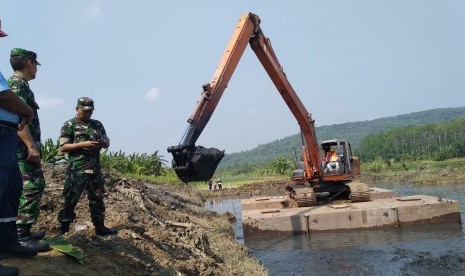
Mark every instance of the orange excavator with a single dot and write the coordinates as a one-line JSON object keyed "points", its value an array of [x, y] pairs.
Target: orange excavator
{"points": [[327, 166]]}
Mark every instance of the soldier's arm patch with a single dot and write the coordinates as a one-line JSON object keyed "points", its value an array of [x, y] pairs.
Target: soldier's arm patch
{"points": [[65, 140], [67, 133]]}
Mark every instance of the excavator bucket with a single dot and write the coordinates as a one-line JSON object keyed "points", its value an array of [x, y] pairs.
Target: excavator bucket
{"points": [[195, 163]]}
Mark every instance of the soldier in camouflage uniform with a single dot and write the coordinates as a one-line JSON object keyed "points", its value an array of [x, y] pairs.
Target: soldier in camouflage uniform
{"points": [[24, 64], [82, 138], [14, 115]]}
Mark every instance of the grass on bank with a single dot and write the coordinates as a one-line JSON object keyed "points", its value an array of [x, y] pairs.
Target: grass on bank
{"points": [[417, 172], [380, 166], [152, 167], [228, 182]]}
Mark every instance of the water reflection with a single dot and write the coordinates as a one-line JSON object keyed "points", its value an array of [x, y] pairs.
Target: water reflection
{"points": [[339, 240], [233, 206], [378, 252]]}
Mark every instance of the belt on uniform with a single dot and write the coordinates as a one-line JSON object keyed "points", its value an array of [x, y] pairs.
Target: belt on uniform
{"points": [[8, 124]]}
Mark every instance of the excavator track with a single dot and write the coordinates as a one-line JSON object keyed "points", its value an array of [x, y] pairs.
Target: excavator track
{"points": [[359, 192], [300, 196], [359, 196]]}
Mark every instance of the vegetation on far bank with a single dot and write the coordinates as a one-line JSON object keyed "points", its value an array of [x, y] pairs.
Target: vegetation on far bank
{"points": [[354, 132], [153, 167], [436, 142], [415, 172]]}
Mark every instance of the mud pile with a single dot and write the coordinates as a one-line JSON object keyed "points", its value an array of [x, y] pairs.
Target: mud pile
{"points": [[273, 187], [163, 230]]}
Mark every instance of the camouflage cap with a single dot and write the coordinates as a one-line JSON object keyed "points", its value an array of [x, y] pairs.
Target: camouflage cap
{"points": [[18, 52], [2, 34], [85, 103]]}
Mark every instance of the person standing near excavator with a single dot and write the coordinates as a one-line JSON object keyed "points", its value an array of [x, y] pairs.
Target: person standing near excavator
{"points": [[82, 138], [24, 64]]}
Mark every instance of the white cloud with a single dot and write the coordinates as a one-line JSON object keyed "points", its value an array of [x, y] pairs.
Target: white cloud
{"points": [[152, 95], [49, 102], [252, 111], [94, 11]]}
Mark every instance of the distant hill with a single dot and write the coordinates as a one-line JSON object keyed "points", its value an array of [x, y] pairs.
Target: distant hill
{"points": [[353, 132]]}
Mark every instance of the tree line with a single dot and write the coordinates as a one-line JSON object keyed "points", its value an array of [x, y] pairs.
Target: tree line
{"points": [[433, 141], [354, 132]]}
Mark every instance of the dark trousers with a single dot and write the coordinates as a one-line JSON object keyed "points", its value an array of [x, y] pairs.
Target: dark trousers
{"points": [[75, 184], [11, 185]]}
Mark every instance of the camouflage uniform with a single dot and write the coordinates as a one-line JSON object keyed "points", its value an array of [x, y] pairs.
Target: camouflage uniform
{"points": [[84, 170], [33, 177]]}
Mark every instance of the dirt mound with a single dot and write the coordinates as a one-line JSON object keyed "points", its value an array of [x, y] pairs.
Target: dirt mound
{"points": [[273, 187], [163, 230]]}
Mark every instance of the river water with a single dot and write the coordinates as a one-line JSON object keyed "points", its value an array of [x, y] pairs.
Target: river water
{"points": [[423, 250]]}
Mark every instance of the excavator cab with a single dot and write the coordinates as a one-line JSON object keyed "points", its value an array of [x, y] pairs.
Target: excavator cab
{"points": [[337, 159], [337, 163]]}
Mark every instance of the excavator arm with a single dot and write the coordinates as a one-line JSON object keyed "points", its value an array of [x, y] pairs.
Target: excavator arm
{"points": [[212, 91], [196, 163], [261, 45]]}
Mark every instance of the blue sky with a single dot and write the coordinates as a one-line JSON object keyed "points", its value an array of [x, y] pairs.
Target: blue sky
{"points": [[144, 63]]}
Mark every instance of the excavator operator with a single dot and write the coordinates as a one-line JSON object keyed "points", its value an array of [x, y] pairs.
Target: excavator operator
{"points": [[332, 161]]}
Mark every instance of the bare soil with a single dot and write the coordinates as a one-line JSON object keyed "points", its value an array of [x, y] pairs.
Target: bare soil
{"points": [[269, 188], [163, 230]]}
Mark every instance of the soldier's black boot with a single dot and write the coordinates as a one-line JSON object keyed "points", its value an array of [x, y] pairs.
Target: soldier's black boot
{"points": [[24, 233], [64, 228], [29, 239], [16, 250], [102, 230], [36, 245]]}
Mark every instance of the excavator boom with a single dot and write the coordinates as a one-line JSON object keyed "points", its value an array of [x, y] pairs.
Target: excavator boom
{"points": [[213, 90], [261, 45], [195, 163]]}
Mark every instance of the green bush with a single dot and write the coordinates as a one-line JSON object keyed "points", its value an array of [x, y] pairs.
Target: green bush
{"points": [[281, 165], [376, 165], [118, 162], [139, 164], [444, 153], [50, 151], [422, 166]]}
